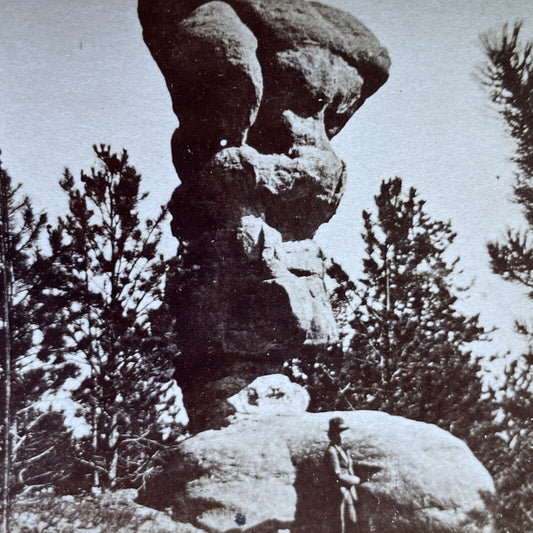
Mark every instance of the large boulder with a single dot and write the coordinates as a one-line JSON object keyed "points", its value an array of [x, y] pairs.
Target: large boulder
{"points": [[265, 474], [334, 59]]}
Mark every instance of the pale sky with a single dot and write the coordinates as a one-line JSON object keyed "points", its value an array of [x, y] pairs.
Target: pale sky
{"points": [[76, 72]]}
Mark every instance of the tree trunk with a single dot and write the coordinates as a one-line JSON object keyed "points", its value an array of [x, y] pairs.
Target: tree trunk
{"points": [[94, 435], [6, 356], [113, 441]]}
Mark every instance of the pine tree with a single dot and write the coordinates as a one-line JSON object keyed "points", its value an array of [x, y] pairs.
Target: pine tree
{"points": [[109, 277], [508, 77], [409, 352], [26, 378]]}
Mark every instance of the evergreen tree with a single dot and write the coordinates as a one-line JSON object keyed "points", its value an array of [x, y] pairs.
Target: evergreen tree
{"points": [[409, 352], [24, 291], [508, 78], [109, 277]]}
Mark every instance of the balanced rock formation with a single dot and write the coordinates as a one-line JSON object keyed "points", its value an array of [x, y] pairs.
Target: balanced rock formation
{"points": [[267, 474], [259, 88]]}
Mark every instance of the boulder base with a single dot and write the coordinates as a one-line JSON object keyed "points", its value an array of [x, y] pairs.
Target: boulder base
{"points": [[266, 474]]}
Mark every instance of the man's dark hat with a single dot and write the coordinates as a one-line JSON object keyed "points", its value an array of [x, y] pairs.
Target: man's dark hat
{"points": [[336, 425]]}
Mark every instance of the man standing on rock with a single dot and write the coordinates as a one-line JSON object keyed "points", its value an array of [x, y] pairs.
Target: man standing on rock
{"points": [[340, 467]]}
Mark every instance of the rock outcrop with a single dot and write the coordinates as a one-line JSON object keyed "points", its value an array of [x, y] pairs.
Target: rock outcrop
{"points": [[259, 88], [266, 474]]}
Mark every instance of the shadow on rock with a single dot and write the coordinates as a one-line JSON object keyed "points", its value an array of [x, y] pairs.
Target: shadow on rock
{"points": [[318, 499]]}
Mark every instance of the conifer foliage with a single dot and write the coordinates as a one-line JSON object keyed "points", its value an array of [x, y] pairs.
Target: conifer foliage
{"points": [[409, 352], [508, 77], [109, 276], [24, 290]]}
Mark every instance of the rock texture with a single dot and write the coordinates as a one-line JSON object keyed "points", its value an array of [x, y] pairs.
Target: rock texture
{"points": [[269, 472], [259, 88], [270, 395]]}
